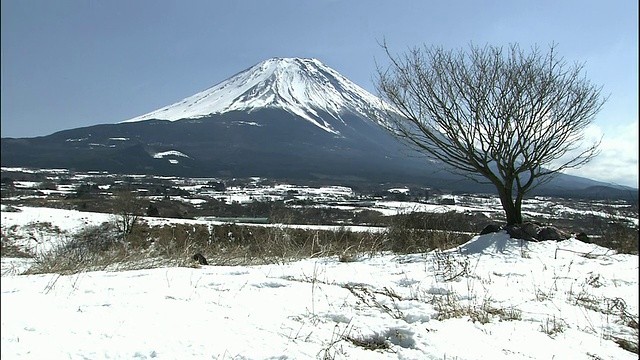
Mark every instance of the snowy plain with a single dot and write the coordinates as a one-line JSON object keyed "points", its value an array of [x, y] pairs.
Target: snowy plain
{"points": [[491, 298]]}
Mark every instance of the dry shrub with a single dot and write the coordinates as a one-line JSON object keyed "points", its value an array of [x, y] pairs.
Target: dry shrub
{"points": [[449, 221], [407, 241], [619, 237], [103, 247]]}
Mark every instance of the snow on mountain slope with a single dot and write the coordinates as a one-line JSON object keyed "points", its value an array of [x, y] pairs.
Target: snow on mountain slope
{"points": [[303, 87]]}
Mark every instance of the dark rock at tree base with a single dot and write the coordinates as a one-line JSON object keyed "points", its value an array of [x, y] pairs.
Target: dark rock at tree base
{"points": [[533, 232], [517, 233], [550, 233], [491, 228], [530, 229], [524, 231]]}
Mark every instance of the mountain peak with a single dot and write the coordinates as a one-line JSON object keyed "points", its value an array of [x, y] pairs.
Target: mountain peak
{"points": [[304, 87]]}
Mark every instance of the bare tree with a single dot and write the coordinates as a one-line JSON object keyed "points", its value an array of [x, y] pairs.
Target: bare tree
{"points": [[501, 116], [127, 210]]}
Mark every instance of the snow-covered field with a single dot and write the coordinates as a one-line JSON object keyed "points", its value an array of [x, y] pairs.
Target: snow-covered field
{"points": [[491, 298]]}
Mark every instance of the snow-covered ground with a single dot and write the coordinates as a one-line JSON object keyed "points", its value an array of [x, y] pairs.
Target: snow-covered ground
{"points": [[491, 298]]}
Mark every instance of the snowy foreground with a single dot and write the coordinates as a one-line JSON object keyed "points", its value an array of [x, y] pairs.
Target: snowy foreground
{"points": [[492, 298]]}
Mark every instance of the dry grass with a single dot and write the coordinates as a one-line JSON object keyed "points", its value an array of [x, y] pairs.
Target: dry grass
{"points": [[104, 248]]}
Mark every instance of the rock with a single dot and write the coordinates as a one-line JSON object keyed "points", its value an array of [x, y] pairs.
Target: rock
{"points": [[517, 233], [491, 228], [200, 259], [550, 233], [530, 229], [524, 231]]}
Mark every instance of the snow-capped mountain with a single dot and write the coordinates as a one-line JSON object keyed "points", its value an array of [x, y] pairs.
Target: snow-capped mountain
{"points": [[303, 87]]}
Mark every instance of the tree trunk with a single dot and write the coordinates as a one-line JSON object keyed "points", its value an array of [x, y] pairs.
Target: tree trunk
{"points": [[518, 206], [511, 209]]}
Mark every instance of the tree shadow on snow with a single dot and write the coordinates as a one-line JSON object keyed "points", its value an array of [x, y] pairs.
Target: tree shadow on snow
{"points": [[499, 242]]}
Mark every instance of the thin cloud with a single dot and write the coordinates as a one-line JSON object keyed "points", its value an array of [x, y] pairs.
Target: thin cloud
{"points": [[618, 160]]}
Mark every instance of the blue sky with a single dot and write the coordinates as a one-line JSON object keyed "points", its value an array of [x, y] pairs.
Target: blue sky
{"points": [[68, 64]]}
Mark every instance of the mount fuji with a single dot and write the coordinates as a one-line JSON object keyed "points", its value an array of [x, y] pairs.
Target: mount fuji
{"points": [[284, 118], [302, 87]]}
